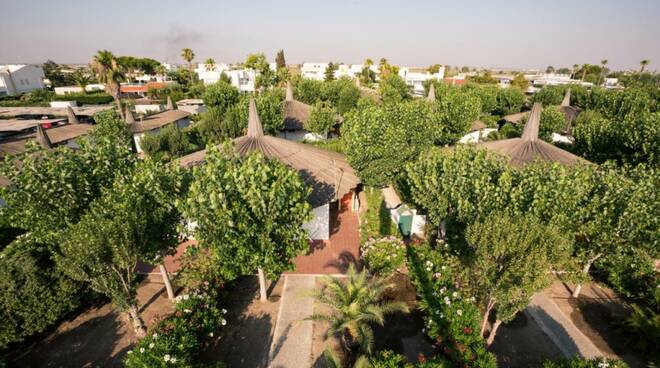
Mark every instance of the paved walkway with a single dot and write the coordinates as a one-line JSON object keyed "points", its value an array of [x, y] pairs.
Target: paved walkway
{"points": [[560, 329], [292, 340]]}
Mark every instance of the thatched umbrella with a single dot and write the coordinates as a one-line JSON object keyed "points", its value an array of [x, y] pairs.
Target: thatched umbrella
{"points": [[71, 115], [42, 138], [170, 104], [129, 116], [431, 96]]}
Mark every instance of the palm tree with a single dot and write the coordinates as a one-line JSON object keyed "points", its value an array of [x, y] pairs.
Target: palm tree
{"points": [[81, 79], [584, 71], [109, 72], [188, 55], [209, 64], [602, 70], [575, 69], [643, 65], [356, 303], [368, 62]]}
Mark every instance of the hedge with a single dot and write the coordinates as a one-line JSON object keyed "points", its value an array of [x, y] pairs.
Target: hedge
{"points": [[86, 98]]}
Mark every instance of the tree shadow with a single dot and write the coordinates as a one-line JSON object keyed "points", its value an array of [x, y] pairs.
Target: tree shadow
{"points": [[402, 334], [92, 343], [245, 340], [555, 331], [384, 219], [343, 261]]}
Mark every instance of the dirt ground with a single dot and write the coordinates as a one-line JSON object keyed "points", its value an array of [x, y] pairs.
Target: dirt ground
{"points": [[595, 313], [246, 340], [97, 337]]}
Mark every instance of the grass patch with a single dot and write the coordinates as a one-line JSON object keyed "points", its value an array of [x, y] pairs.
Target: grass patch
{"points": [[335, 144], [376, 222]]}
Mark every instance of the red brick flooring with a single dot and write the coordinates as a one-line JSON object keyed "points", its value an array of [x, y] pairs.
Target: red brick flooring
{"points": [[334, 255], [326, 256]]}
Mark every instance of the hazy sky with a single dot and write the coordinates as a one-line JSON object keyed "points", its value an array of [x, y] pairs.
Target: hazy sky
{"points": [[492, 33]]}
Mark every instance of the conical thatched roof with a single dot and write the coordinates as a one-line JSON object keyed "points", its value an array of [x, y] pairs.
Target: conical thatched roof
{"points": [[570, 112], [431, 96], [42, 138], [529, 147], [129, 116], [71, 116], [477, 125], [296, 113], [170, 104], [327, 172]]}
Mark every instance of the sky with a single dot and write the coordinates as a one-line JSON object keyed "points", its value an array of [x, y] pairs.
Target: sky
{"points": [[484, 33]]}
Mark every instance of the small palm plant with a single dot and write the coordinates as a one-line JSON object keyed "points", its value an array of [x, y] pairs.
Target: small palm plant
{"points": [[356, 303]]}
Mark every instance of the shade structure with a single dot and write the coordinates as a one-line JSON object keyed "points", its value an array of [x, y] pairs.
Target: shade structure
{"points": [[528, 148], [170, 104], [326, 172], [570, 112], [71, 116], [42, 138], [431, 96], [296, 114], [477, 125], [129, 116]]}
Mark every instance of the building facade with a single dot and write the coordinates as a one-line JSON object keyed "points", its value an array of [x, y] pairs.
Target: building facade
{"points": [[16, 79]]}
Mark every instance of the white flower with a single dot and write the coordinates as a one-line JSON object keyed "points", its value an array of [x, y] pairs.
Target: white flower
{"points": [[423, 330], [151, 346], [155, 335], [454, 294], [223, 322], [459, 312], [603, 364], [173, 360], [429, 263], [210, 334], [442, 315], [167, 357], [447, 301], [141, 350], [443, 267], [437, 275], [177, 299], [428, 269], [442, 290], [224, 311], [130, 351], [187, 310], [186, 297]]}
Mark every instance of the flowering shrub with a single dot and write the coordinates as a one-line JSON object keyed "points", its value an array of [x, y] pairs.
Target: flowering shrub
{"points": [[451, 320], [585, 363], [383, 256], [390, 359], [176, 340]]}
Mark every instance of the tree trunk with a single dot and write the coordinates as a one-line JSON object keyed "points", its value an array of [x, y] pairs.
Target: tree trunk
{"points": [[119, 109], [491, 336], [262, 285], [166, 280], [585, 270], [138, 326], [489, 307]]}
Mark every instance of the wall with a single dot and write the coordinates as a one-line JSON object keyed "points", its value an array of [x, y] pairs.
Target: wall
{"points": [[319, 227], [25, 78], [144, 109]]}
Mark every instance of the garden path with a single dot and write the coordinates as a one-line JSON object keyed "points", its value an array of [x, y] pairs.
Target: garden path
{"points": [[292, 340]]}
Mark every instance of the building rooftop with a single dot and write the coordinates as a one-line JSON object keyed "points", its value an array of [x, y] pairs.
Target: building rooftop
{"points": [[87, 110], [159, 120], [57, 135]]}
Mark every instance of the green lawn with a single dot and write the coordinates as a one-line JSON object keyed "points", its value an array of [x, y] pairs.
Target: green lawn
{"points": [[376, 222]]}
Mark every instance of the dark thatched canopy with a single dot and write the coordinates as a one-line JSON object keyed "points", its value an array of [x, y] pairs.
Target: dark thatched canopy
{"points": [[327, 172], [529, 147]]}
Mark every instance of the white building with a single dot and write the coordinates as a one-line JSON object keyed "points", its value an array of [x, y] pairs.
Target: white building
{"points": [[15, 79], [314, 71], [415, 77], [242, 79], [75, 89], [554, 79], [210, 74]]}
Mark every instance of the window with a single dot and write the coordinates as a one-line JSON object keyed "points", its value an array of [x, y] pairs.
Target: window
{"points": [[27, 82], [22, 83]]}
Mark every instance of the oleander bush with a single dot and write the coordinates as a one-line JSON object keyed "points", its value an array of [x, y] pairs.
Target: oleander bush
{"points": [[385, 256], [176, 340], [390, 359], [451, 320]]}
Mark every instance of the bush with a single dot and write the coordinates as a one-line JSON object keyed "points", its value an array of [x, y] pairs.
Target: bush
{"points": [[220, 96], [96, 98], [321, 118], [171, 142], [390, 359], [393, 88], [377, 222], [451, 320], [33, 294], [176, 340], [552, 121], [585, 363], [383, 257], [642, 331]]}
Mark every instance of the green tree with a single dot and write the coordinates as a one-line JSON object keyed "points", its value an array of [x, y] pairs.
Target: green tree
{"points": [[552, 121], [512, 259], [169, 143], [550, 69], [188, 55], [355, 304], [330, 71], [81, 79], [380, 140], [215, 126], [126, 224], [249, 213], [393, 88], [209, 64], [109, 71], [321, 119], [603, 63], [259, 63], [220, 96], [435, 68], [279, 60], [520, 82]]}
